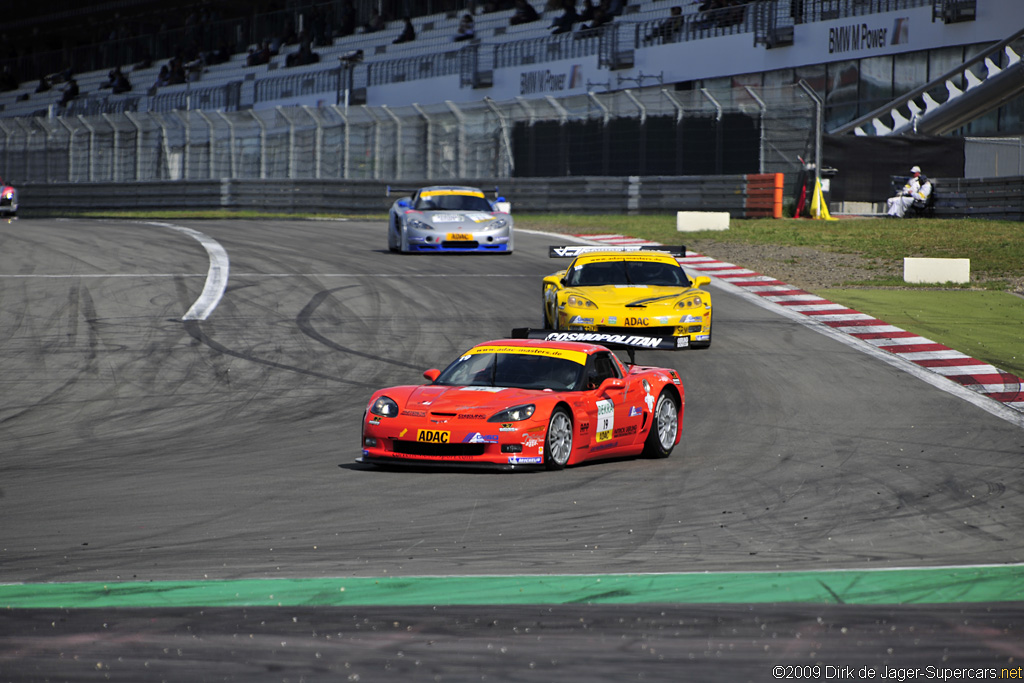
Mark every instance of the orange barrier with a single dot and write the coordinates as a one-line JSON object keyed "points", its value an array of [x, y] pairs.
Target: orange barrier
{"points": [[764, 195]]}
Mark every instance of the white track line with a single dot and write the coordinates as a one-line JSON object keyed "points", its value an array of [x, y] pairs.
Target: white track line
{"points": [[216, 276]]}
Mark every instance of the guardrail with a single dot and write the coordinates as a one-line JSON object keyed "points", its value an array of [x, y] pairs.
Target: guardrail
{"points": [[578, 194], [743, 196]]}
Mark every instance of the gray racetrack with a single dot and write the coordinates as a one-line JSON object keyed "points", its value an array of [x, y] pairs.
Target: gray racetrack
{"points": [[136, 446]]}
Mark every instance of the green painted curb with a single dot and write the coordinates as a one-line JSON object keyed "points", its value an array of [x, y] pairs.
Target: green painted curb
{"points": [[859, 587]]}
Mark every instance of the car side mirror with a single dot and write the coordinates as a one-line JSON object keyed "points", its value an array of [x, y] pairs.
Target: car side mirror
{"points": [[404, 203], [611, 383], [432, 374], [701, 280]]}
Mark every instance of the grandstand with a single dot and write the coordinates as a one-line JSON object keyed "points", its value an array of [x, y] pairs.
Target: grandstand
{"points": [[843, 48]]}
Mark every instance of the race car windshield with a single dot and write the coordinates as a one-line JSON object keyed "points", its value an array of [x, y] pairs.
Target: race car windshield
{"points": [[650, 273], [451, 202], [521, 371]]}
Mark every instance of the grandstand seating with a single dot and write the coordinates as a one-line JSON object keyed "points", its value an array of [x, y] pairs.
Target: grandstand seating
{"points": [[435, 34]]}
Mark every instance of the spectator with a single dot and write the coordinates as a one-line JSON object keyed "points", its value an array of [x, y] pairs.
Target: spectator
{"points": [[601, 17], [669, 28], [303, 56], [567, 19], [8, 81], [347, 22], [408, 33], [44, 84], [70, 91], [613, 8], [524, 13], [121, 83], [917, 189], [376, 23], [256, 56], [588, 10], [163, 78], [466, 30]]}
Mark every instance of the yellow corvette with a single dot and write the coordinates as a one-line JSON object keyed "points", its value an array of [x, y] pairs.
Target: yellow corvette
{"points": [[628, 290]]}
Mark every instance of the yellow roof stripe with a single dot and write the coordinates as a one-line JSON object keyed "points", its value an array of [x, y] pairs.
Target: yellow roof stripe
{"points": [[568, 354], [437, 193]]}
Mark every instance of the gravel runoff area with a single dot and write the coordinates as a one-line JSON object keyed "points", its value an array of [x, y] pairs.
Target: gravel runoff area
{"points": [[809, 268]]}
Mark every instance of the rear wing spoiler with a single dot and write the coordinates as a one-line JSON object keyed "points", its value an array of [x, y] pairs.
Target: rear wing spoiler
{"points": [[630, 342], [574, 250]]}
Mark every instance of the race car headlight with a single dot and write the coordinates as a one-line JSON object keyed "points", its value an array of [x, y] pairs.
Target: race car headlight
{"points": [[515, 414], [500, 223], [579, 302], [384, 406], [419, 225], [690, 302]]}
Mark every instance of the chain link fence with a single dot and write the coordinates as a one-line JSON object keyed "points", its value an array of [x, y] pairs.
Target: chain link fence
{"points": [[647, 131]]}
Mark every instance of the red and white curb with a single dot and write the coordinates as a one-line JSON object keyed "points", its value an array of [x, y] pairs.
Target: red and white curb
{"points": [[975, 375]]}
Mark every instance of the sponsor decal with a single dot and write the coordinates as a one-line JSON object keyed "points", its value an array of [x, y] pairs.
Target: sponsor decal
{"points": [[459, 236], [446, 218], [634, 411], [584, 428], [605, 420], [625, 431], [375, 420], [473, 416], [691, 319], [580, 320], [433, 435], [481, 438], [604, 446], [414, 413], [636, 322], [545, 80], [682, 342], [491, 390], [575, 356], [603, 338], [613, 320], [701, 337], [479, 217], [525, 460], [366, 452], [507, 427], [533, 442], [862, 37]]}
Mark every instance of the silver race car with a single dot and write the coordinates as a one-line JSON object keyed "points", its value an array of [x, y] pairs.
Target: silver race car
{"points": [[449, 218]]}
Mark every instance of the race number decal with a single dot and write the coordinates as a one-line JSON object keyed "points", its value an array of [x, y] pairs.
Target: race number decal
{"points": [[605, 420], [432, 436]]}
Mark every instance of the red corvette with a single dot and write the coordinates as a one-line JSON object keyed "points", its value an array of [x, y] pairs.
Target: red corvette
{"points": [[525, 403]]}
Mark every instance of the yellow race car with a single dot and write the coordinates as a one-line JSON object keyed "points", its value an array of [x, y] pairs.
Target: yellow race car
{"points": [[628, 290]]}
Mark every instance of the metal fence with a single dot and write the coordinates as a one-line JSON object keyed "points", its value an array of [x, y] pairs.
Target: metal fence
{"points": [[993, 157], [647, 131]]}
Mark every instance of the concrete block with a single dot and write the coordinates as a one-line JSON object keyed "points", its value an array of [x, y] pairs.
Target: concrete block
{"points": [[694, 221], [936, 270]]}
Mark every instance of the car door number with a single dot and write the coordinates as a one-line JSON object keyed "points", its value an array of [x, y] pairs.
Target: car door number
{"points": [[605, 420]]}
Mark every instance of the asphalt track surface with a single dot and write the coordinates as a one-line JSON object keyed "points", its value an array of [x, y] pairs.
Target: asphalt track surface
{"points": [[179, 499]]}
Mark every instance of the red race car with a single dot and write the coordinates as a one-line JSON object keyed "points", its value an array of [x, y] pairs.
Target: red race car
{"points": [[8, 199], [529, 403]]}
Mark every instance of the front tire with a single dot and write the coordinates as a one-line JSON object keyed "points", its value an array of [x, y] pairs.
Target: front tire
{"points": [[664, 428], [558, 443]]}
